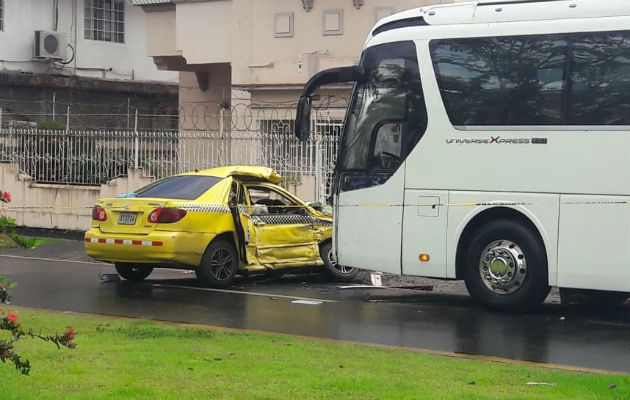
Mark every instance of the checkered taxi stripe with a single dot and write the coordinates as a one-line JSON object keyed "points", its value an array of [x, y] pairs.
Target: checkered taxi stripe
{"points": [[275, 219], [290, 219], [126, 242], [204, 207]]}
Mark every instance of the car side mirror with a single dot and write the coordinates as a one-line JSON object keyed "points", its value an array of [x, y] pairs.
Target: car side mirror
{"points": [[316, 205]]}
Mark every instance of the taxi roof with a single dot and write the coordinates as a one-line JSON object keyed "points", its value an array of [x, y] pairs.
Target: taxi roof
{"points": [[244, 172]]}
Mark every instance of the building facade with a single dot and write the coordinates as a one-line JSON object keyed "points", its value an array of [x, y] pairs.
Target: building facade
{"points": [[88, 55]]}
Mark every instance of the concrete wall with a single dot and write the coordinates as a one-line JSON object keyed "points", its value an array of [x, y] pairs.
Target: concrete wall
{"points": [[59, 206], [97, 59], [39, 205], [203, 31], [161, 31]]}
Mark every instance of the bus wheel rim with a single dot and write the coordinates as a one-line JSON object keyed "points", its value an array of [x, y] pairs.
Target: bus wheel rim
{"points": [[502, 267]]}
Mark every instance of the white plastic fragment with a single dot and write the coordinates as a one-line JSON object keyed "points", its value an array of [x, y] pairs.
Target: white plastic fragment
{"points": [[541, 383], [376, 278], [307, 302]]}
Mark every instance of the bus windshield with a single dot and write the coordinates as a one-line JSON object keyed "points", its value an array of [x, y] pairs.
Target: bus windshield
{"points": [[386, 117]]}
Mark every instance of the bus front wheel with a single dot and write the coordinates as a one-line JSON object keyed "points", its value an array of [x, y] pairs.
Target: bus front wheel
{"points": [[506, 266]]}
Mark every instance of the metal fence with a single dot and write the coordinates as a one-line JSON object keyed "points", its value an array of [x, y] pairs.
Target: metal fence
{"points": [[90, 157]]}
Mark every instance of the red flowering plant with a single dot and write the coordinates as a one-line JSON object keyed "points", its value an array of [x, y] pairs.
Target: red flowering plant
{"points": [[10, 322], [5, 197]]}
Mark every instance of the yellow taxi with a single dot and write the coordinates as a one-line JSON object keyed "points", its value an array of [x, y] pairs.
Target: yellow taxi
{"points": [[220, 222]]}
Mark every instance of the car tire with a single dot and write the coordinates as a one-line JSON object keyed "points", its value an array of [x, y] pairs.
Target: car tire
{"points": [[218, 265], [133, 272], [334, 271], [505, 266]]}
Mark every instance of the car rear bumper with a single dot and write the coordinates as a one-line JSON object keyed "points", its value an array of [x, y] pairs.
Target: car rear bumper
{"points": [[158, 247]]}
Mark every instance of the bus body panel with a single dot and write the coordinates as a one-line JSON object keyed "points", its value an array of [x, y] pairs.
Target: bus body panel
{"points": [[424, 232], [368, 226], [594, 246]]}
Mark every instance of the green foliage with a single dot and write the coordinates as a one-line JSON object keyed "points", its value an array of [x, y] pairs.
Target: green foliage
{"points": [[5, 285], [10, 323], [24, 241], [52, 125], [140, 359], [7, 225]]}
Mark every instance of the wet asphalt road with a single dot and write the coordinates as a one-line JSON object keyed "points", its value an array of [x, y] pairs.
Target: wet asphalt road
{"points": [[59, 276]]}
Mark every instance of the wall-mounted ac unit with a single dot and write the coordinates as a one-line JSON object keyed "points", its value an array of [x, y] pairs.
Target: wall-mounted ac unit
{"points": [[51, 45]]}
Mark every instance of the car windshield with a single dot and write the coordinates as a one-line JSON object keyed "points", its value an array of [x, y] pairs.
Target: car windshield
{"points": [[183, 187]]}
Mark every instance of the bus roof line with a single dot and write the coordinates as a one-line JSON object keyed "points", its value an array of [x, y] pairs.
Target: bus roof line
{"points": [[477, 12]]}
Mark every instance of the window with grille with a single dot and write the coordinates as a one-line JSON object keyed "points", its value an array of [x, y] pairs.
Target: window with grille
{"points": [[1, 15], [105, 20]]}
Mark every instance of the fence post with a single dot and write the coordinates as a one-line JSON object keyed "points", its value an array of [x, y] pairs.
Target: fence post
{"points": [[128, 111], [68, 160], [136, 142]]}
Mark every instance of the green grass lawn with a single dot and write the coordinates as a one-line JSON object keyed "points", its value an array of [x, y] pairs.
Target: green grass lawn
{"points": [[138, 359]]}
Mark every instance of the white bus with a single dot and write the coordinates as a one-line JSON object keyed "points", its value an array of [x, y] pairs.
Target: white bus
{"points": [[489, 142]]}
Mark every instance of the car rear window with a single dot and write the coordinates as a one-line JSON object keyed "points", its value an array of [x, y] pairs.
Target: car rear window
{"points": [[186, 187]]}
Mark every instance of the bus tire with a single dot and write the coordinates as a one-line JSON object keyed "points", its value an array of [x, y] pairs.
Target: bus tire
{"points": [[334, 271], [218, 265], [505, 266], [133, 272]]}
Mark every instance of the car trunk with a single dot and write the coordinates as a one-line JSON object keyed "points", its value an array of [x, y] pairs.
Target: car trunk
{"points": [[129, 215]]}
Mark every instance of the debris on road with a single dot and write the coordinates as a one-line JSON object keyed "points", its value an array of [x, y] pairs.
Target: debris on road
{"points": [[307, 302], [109, 277], [376, 278]]}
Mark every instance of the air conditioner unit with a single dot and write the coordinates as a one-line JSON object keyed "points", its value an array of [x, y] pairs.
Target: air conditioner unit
{"points": [[51, 45]]}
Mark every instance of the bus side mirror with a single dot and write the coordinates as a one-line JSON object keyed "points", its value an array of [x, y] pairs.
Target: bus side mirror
{"points": [[303, 118]]}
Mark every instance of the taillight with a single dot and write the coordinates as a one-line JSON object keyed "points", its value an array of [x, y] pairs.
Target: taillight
{"points": [[99, 214], [166, 215]]}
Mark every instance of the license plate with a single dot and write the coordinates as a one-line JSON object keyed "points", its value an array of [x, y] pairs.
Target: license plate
{"points": [[127, 218]]}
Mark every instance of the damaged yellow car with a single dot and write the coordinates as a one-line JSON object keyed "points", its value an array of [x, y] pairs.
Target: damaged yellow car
{"points": [[220, 222]]}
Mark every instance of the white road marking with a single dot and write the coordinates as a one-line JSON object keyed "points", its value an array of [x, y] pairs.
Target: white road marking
{"points": [[54, 259], [270, 295]]}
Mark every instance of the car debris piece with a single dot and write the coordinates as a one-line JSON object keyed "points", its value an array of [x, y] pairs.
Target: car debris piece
{"points": [[376, 278], [109, 277]]}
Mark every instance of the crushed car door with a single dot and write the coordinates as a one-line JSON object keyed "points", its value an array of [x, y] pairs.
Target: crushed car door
{"points": [[283, 228]]}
